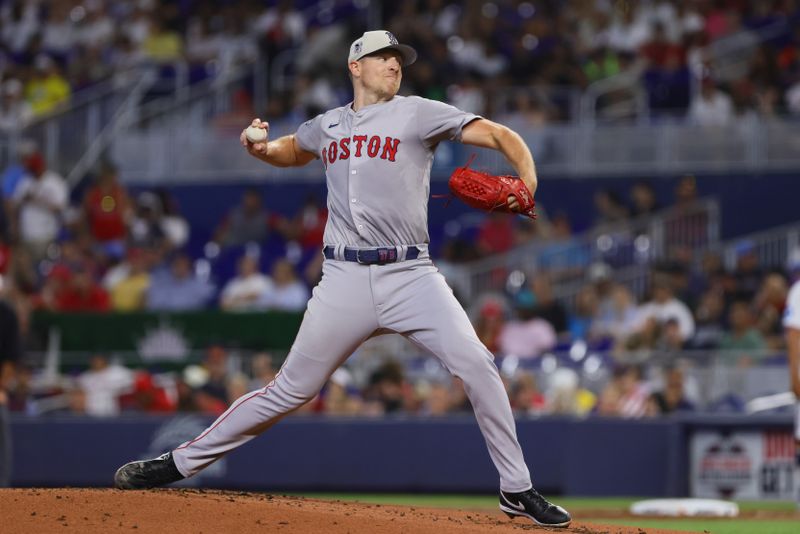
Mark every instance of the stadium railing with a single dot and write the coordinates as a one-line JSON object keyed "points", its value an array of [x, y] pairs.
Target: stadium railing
{"points": [[629, 247]]}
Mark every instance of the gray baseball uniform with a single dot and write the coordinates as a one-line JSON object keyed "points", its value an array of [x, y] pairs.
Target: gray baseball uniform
{"points": [[377, 278]]}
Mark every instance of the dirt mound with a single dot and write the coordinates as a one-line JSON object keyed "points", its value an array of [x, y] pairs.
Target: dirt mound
{"points": [[184, 511]]}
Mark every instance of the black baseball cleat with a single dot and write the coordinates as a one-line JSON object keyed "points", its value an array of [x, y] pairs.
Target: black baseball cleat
{"points": [[144, 474], [532, 505]]}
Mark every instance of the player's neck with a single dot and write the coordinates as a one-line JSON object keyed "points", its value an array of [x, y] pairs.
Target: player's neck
{"points": [[365, 98]]}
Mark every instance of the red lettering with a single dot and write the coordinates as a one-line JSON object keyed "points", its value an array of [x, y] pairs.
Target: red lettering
{"points": [[359, 139], [374, 146], [344, 146], [390, 148], [325, 157], [332, 149]]}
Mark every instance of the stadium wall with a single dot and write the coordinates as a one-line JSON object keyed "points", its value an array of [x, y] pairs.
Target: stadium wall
{"points": [[571, 457]]}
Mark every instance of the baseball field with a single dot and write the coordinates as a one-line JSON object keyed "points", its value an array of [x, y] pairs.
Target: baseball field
{"points": [[179, 511]]}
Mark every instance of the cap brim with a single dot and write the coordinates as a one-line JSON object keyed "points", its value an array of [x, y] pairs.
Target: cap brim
{"points": [[408, 53]]}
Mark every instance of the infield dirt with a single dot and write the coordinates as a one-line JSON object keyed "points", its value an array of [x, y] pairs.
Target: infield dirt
{"points": [[184, 511]]}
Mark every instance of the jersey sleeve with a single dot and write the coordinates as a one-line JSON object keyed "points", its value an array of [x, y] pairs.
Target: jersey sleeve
{"points": [[437, 121], [791, 315], [309, 135]]}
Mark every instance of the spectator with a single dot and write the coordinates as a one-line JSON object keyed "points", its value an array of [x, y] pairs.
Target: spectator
{"points": [[47, 88], [528, 336], [770, 305], [262, 370], [244, 292], [617, 321], [562, 255], [59, 34], [178, 289], [643, 199], [748, 273], [626, 395], [566, 397], [585, 314], [130, 292], [526, 398], [496, 234], [247, 222], [387, 391], [287, 293], [743, 338], [609, 207], [664, 306], [80, 293], [671, 398], [712, 107], [102, 385], [547, 307], [39, 201], [148, 395], [489, 323], [216, 385], [147, 227], [162, 44], [15, 112], [709, 317], [340, 395], [659, 49], [175, 226], [107, 210], [436, 399], [15, 172], [307, 227]]}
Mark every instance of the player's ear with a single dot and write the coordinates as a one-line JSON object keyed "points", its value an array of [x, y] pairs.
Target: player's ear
{"points": [[355, 69]]}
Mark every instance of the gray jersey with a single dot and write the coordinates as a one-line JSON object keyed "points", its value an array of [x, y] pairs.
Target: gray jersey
{"points": [[378, 164]]}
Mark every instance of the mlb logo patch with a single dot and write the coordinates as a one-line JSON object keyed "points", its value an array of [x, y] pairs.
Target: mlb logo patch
{"points": [[357, 47], [392, 38]]}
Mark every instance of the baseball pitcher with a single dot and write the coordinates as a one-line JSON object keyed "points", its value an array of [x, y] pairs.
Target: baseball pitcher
{"points": [[377, 275]]}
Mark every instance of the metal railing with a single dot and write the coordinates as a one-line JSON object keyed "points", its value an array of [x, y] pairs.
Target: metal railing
{"points": [[78, 126], [773, 248], [713, 380], [629, 247], [212, 154]]}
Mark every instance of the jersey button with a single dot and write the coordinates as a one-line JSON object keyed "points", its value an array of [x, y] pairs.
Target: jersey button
{"points": [[353, 172], [353, 200], [360, 226]]}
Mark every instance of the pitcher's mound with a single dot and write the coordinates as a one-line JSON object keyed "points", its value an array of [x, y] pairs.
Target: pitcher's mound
{"points": [[185, 511]]}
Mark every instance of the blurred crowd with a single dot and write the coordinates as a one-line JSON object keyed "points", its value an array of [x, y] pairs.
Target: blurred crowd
{"points": [[114, 251], [110, 250], [107, 388], [520, 61]]}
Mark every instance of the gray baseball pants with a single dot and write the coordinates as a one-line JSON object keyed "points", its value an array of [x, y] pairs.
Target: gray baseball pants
{"points": [[349, 305]]}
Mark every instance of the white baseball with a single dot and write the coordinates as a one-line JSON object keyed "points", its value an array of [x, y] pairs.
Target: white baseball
{"points": [[255, 134]]}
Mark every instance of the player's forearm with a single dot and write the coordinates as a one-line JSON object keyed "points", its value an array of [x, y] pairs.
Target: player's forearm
{"points": [[512, 146], [280, 152]]}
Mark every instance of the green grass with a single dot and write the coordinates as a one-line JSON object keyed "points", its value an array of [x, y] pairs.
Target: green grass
{"points": [[578, 504], [713, 526]]}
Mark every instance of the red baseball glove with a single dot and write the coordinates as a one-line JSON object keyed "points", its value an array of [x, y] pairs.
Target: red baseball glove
{"points": [[487, 192]]}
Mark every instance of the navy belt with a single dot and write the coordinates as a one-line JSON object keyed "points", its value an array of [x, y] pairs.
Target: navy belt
{"points": [[371, 256]]}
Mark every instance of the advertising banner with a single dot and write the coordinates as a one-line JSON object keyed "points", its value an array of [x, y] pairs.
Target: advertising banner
{"points": [[742, 465]]}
